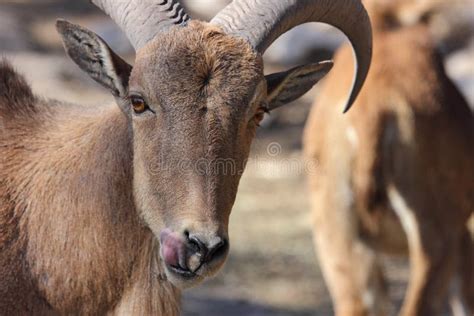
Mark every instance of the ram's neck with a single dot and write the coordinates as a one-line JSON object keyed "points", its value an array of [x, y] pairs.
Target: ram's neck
{"points": [[149, 293]]}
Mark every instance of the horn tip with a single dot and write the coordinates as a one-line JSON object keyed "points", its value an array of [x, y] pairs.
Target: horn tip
{"points": [[347, 107]]}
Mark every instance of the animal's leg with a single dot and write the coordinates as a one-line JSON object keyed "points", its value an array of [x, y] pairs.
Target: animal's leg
{"points": [[351, 269], [462, 299], [431, 270], [433, 255]]}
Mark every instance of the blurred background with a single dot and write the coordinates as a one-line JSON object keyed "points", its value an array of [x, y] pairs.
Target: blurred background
{"points": [[272, 268]]}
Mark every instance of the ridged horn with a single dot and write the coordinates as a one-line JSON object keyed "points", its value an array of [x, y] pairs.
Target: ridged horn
{"points": [[141, 20]]}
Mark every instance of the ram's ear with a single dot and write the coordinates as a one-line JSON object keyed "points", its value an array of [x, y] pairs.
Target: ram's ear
{"points": [[94, 56], [284, 87]]}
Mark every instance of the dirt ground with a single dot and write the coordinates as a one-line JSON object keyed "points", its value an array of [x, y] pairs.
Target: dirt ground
{"points": [[272, 267]]}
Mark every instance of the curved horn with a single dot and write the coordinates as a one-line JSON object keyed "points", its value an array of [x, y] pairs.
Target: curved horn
{"points": [[141, 20], [261, 22]]}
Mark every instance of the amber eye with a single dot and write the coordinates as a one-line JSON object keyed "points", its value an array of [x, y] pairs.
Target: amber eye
{"points": [[259, 116], [138, 104]]}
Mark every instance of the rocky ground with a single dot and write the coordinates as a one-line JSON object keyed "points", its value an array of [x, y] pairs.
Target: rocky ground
{"points": [[272, 268]]}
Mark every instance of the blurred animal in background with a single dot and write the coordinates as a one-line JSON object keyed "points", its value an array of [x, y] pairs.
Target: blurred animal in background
{"points": [[396, 174], [115, 209], [451, 23]]}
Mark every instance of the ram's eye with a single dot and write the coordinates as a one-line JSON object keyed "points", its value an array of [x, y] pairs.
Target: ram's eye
{"points": [[258, 118], [139, 105]]}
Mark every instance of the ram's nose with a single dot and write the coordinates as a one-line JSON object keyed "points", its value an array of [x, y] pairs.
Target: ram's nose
{"points": [[186, 253], [204, 250]]}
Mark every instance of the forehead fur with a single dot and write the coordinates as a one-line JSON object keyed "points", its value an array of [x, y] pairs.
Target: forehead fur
{"points": [[198, 64]]}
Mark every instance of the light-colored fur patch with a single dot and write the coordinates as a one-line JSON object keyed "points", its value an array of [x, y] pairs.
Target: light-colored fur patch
{"points": [[406, 215], [352, 136]]}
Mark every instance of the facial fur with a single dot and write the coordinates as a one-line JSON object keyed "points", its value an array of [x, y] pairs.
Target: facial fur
{"points": [[192, 144]]}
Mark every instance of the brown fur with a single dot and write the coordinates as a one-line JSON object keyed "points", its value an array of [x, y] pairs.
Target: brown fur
{"points": [[410, 133]]}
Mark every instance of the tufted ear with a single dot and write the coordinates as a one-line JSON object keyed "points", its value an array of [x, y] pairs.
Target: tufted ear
{"points": [[285, 87], [95, 57]]}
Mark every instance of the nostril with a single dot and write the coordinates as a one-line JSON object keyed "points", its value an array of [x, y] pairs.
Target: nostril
{"points": [[217, 250], [206, 250], [198, 245]]}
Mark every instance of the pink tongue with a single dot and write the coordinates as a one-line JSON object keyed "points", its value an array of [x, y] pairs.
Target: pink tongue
{"points": [[170, 247], [170, 255]]}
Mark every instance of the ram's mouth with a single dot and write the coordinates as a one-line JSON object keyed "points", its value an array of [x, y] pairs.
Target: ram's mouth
{"points": [[186, 260], [181, 272]]}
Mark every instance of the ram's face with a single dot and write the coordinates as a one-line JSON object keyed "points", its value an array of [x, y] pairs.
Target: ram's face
{"points": [[196, 98]]}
